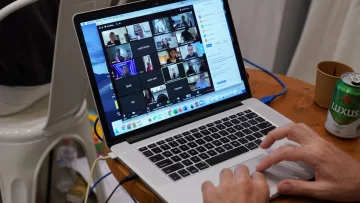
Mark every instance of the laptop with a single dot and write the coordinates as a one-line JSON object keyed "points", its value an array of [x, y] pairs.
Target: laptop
{"points": [[172, 95]]}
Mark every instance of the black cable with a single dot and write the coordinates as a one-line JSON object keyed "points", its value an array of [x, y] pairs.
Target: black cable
{"points": [[95, 129], [128, 178]]}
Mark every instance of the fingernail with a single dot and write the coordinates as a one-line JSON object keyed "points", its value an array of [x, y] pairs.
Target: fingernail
{"points": [[285, 188]]}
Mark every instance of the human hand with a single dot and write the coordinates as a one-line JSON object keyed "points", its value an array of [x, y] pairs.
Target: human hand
{"points": [[237, 188], [337, 175]]}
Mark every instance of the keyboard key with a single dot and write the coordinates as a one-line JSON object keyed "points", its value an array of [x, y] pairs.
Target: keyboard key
{"points": [[200, 141], [228, 124], [173, 144], [201, 149], [220, 150], [220, 126], [192, 169], [167, 154], [148, 153], [211, 153], [254, 128], [243, 140], [205, 132], [208, 139], [238, 127], [192, 144], [231, 130], [202, 127], [195, 159], [239, 134], [224, 140], [259, 119], [240, 114], [175, 150], [217, 122], [173, 168], [174, 176], [157, 158], [227, 155], [232, 116], [217, 143], [258, 142], [208, 146], [267, 130], [235, 121], [242, 119], [156, 150], [213, 129], [264, 125], [169, 139], [215, 136], [247, 132], [197, 135], [192, 152], [194, 130], [204, 156], [186, 133], [184, 173], [165, 147], [184, 155], [253, 122], [225, 119], [248, 111], [245, 124], [160, 142], [227, 146], [250, 138], [232, 137], [210, 125], [164, 163], [143, 149], [251, 115], [187, 162], [181, 141], [251, 146], [223, 133], [175, 158], [184, 148], [201, 165], [189, 138], [257, 135], [152, 145], [235, 144], [178, 136]]}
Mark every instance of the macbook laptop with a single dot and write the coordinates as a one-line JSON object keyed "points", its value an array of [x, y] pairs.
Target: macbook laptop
{"points": [[172, 95]]}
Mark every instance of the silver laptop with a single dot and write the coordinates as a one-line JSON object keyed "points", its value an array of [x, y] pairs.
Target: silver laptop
{"points": [[173, 97]]}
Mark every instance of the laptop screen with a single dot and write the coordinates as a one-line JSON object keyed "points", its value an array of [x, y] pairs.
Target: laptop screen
{"points": [[158, 63]]}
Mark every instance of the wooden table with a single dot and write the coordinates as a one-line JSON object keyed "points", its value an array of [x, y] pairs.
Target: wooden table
{"points": [[297, 105]]}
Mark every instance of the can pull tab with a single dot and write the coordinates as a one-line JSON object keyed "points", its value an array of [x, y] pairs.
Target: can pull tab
{"points": [[355, 78]]}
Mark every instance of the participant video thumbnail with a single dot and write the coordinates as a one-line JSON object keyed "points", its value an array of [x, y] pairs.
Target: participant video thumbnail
{"points": [[115, 37], [120, 53], [125, 69], [191, 51], [161, 25], [147, 63], [157, 94], [200, 81], [173, 72], [187, 35], [139, 31], [183, 20], [170, 57], [193, 66], [166, 41]]}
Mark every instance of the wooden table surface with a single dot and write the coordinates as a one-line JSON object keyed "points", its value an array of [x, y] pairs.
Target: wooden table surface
{"points": [[297, 105]]}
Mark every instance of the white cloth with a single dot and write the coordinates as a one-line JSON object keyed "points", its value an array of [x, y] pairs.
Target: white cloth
{"points": [[331, 32]]}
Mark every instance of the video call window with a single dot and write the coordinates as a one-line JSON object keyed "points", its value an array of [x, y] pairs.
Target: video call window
{"points": [[125, 69], [200, 81], [139, 31], [161, 25], [173, 72], [115, 37], [119, 53], [166, 41], [183, 20], [171, 56], [191, 51], [156, 95], [187, 35]]}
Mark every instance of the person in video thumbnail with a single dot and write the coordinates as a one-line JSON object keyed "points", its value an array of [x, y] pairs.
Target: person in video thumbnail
{"points": [[186, 35], [140, 32], [126, 72], [173, 58], [202, 83], [203, 67], [165, 44], [190, 71], [149, 97], [191, 53], [113, 40], [185, 23], [118, 56], [149, 67], [173, 74]]}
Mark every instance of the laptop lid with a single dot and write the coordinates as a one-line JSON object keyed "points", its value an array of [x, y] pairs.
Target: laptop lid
{"points": [[155, 66]]}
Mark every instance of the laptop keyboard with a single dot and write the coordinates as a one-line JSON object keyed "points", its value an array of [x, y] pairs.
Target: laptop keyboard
{"points": [[200, 148]]}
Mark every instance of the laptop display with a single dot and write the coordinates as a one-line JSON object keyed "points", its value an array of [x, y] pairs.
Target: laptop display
{"points": [[162, 62]]}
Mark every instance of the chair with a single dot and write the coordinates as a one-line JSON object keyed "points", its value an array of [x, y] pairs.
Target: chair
{"points": [[27, 138]]}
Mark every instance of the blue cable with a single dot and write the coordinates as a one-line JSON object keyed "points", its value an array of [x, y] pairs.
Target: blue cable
{"points": [[97, 182], [270, 98]]}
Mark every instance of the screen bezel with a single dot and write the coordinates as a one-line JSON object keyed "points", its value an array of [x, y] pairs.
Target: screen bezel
{"points": [[171, 123]]}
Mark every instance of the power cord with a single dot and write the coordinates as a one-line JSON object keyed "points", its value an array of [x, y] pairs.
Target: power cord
{"points": [[14, 6], [97, 182], [270, 98], [128, 178], [95, 129]]}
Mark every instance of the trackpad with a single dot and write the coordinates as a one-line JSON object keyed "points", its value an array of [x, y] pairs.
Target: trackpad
{"points": [[281, 171]]}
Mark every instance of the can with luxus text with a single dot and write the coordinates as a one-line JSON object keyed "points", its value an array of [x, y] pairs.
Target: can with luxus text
{"points": [[343, 118]]}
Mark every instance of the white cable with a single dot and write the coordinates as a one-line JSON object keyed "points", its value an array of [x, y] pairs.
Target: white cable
{"points": [[91, 171], [14, 6]]}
